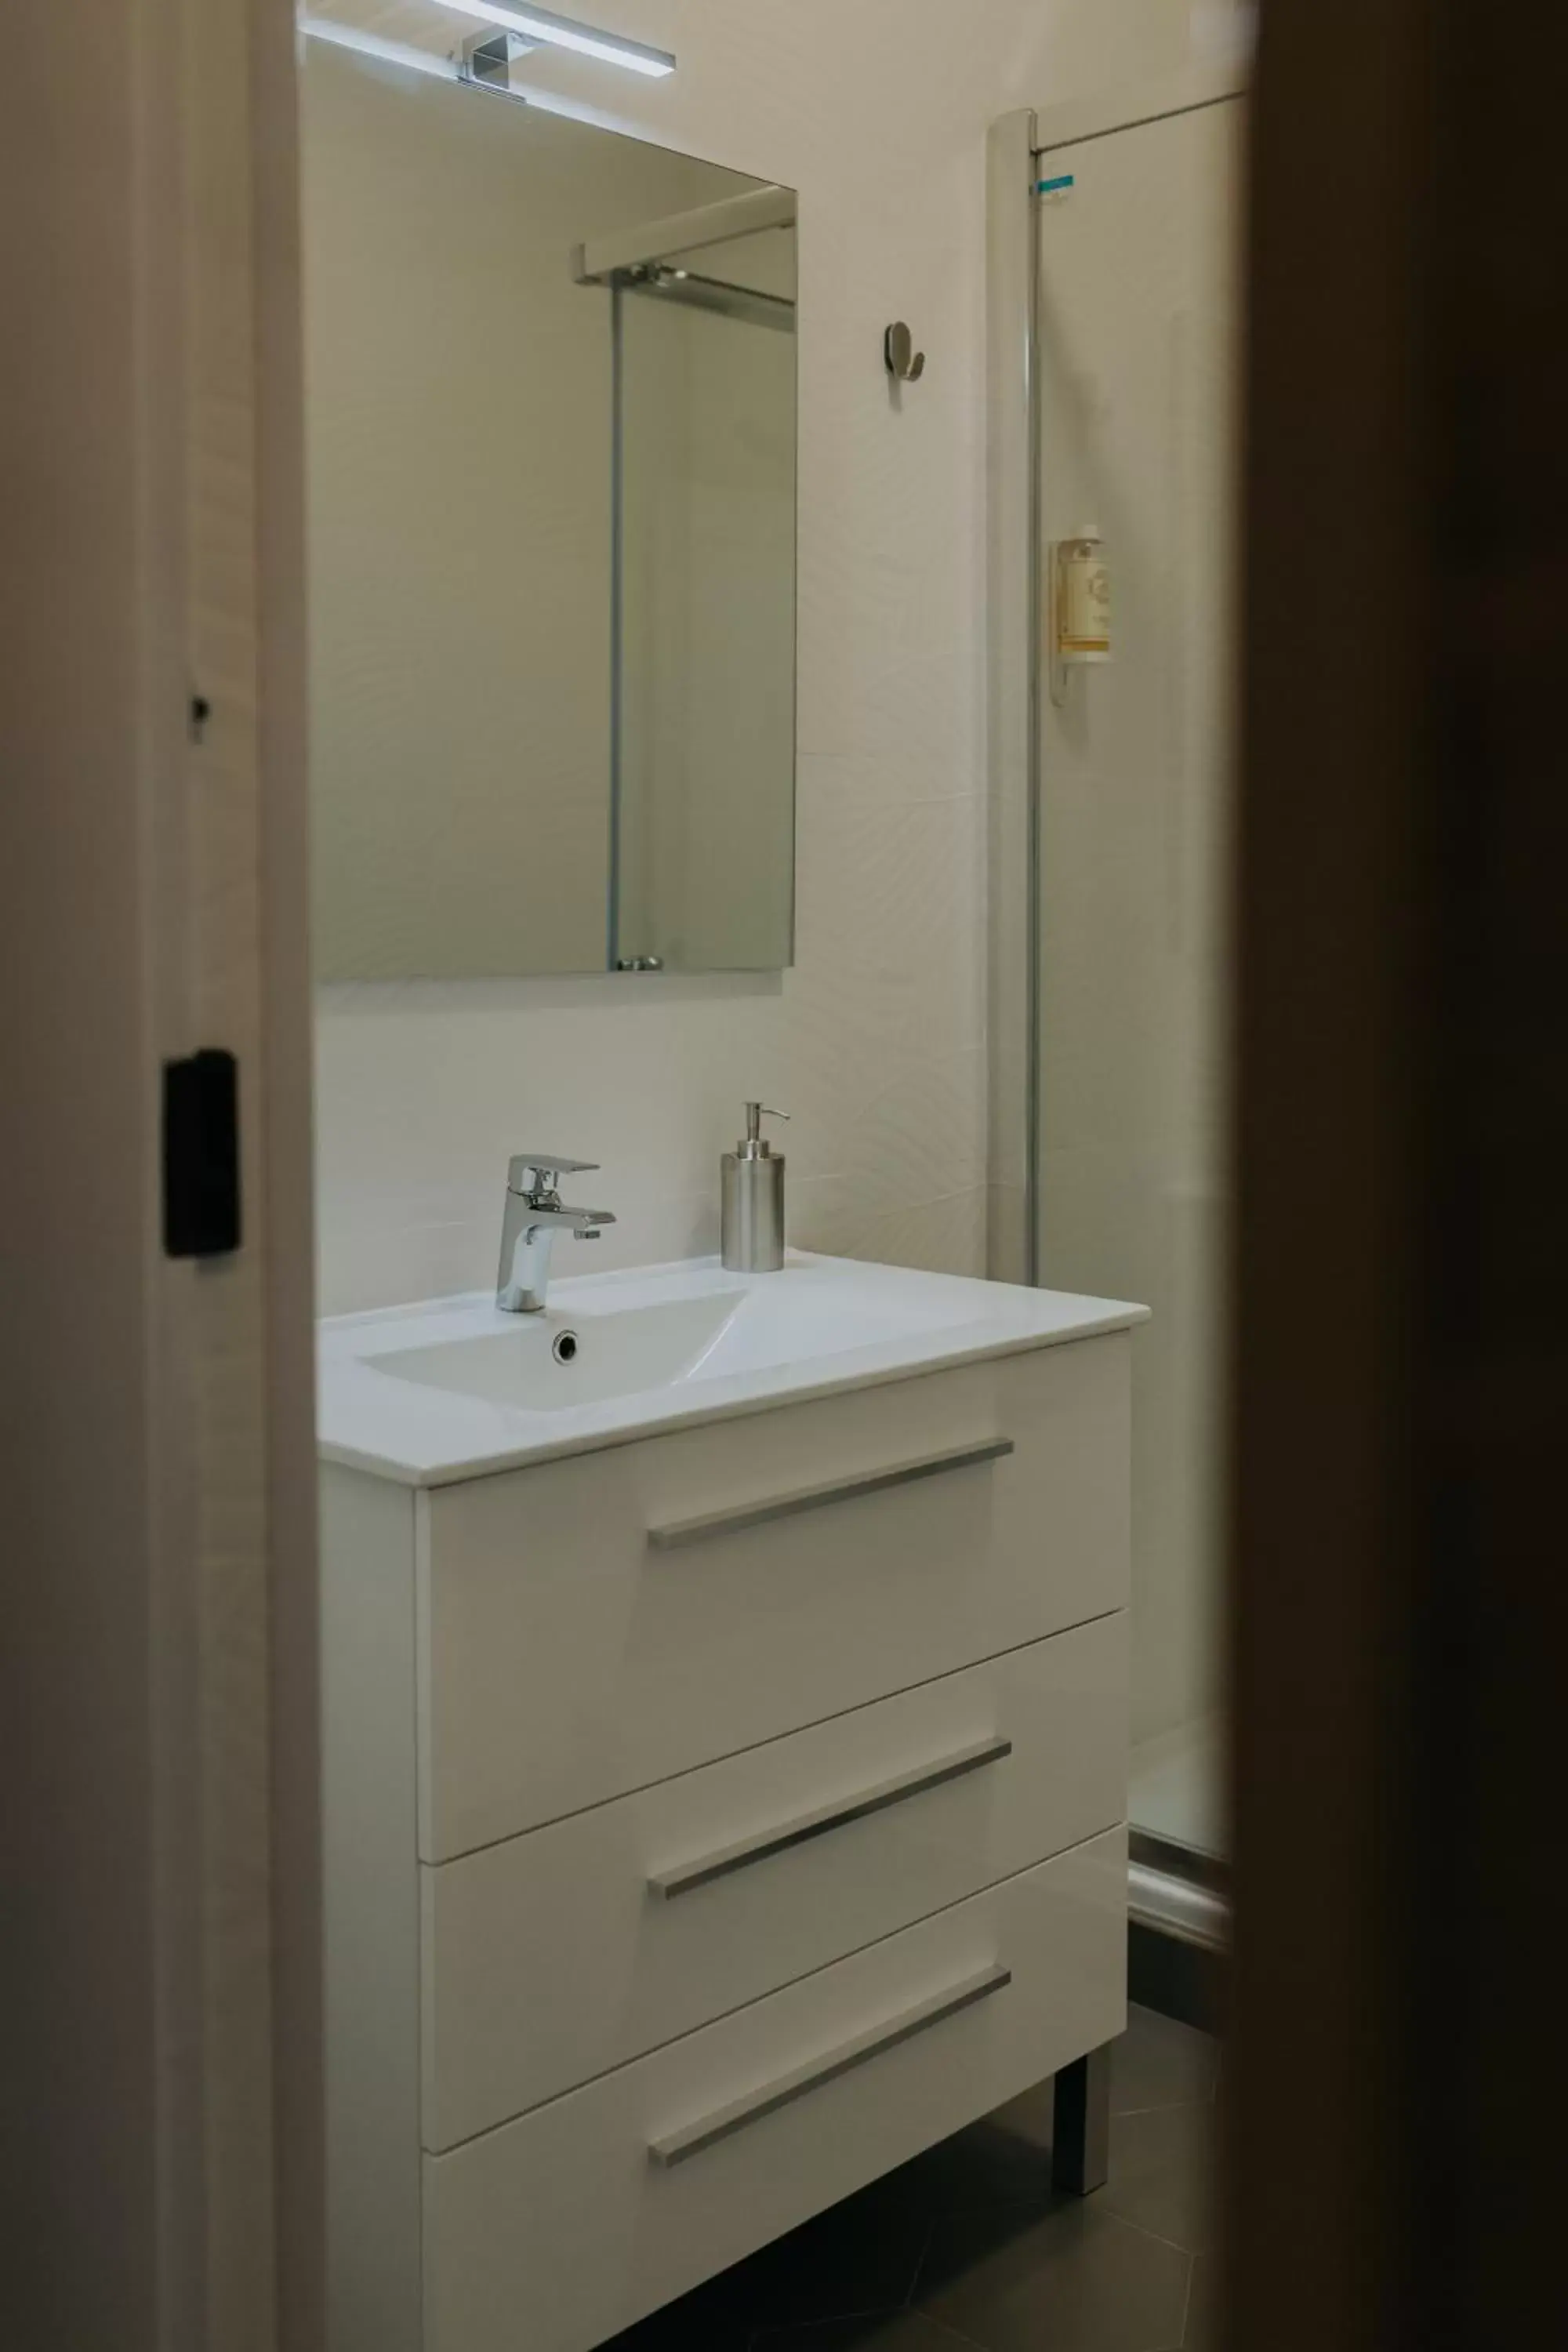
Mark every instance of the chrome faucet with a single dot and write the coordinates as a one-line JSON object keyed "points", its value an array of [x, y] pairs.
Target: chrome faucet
{"points": [[535, 1213]]}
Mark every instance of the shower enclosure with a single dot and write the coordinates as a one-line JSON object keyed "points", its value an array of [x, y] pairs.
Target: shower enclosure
{"points": [[704, 524], [702, 521], [1113, 326]]}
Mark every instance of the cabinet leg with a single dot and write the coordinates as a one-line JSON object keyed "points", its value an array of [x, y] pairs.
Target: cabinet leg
{"points": [[1080, 2138]]}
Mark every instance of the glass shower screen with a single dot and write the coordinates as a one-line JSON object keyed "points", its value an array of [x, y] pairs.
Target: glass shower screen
{"points": [[705, 534], [1136, 414]]}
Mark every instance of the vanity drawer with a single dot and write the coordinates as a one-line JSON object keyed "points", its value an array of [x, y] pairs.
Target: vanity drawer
{"points": [[555, 1957], [593, 1625], [556, 2231]]}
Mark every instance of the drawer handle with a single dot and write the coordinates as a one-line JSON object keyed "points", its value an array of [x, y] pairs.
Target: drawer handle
{"points": [[676, 2146], [806, 1826], [814, 1499]]}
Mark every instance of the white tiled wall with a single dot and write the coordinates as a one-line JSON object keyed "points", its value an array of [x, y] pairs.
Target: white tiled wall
{"points": [[877, 112]]}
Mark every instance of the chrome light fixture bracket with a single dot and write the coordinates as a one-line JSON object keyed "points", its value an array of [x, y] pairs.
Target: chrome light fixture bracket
{"points": [[485, 59], [542, 27]]}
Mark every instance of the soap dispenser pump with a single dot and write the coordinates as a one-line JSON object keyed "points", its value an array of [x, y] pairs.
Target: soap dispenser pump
{"points": [[752, 1201]]}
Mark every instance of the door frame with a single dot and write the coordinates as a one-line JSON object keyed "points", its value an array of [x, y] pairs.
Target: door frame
{"points": [[153, 897]]}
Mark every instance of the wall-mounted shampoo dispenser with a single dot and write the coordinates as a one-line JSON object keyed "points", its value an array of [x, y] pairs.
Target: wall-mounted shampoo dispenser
{"points": [[1079, 606]]}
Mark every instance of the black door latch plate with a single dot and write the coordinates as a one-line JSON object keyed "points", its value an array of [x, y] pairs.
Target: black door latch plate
{"points": [[201, 1155]]}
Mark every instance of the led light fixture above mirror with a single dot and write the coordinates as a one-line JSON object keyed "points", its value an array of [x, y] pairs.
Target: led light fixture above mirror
{"points": [[566, 33]]}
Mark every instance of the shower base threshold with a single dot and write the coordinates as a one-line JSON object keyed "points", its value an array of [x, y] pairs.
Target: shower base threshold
{"points": [[1178, 1890], [1178, 1932]]}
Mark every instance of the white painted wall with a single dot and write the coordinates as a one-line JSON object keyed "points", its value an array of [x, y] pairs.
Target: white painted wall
{"points": [[877, 112]]}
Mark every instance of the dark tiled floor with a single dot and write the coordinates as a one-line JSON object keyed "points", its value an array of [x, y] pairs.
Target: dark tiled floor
{"points": [[969, 2248]]}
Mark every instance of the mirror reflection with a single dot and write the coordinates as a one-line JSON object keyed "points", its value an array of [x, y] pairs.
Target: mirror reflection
{"points": [[551, 409]]}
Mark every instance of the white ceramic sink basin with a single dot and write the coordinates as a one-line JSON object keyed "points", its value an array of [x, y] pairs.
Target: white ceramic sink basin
{"points": [[556, 1361], [455, 1387]]}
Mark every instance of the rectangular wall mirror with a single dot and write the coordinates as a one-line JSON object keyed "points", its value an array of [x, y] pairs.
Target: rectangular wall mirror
{"points": [[551, 414]]}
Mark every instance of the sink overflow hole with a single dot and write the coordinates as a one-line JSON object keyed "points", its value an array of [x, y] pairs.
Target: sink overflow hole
{"points": [[565, 1347]]}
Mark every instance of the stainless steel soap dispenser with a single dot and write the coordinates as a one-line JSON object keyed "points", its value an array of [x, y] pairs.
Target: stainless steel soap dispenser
{"points": [[751, 1225]]}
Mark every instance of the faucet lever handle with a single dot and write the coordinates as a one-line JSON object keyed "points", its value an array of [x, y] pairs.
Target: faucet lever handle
{"points": [[540, 1172]]}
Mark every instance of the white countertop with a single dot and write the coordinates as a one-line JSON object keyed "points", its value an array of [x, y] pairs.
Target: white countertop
{"points": [[429, 1395]]}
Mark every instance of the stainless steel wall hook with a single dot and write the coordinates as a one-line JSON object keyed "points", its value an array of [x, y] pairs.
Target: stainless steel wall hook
{"points": [[905, 364]]}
